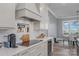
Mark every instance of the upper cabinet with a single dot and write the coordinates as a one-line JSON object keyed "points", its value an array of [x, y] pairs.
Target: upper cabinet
{"points": [[27, 10], [7, 15]]}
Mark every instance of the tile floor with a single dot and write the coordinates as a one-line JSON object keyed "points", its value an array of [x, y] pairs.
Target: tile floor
{"points": [[64, 50]]}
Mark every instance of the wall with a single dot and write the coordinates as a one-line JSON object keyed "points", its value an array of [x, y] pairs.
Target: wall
{"points": [[44, 19], [59, 27], [38, 7], [36, 25], [52, 26]]}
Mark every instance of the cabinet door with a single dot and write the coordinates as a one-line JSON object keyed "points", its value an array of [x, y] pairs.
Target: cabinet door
{"points": [[37, 50], [43, 49], [7, 15], [33, 51]]}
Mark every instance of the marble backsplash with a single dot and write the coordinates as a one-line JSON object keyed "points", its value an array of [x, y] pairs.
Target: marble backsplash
{"points": [[5, 32], [32, 34]]}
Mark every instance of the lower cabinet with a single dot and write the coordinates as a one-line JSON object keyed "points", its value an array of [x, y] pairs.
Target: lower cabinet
{"points": [[37, 50]]}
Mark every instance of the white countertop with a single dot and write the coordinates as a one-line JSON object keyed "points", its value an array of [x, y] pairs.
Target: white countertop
{"points": [[10, 51], [13, 51]]}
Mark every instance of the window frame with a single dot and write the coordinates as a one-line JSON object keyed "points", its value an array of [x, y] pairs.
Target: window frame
{"points": [[69, 21]]}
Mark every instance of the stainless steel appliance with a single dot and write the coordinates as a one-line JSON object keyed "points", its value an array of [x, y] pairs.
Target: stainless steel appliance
{"points": [[11, 42]]}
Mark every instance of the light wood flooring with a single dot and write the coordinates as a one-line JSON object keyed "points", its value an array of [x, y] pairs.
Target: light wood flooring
{"points": [[64, 50]]}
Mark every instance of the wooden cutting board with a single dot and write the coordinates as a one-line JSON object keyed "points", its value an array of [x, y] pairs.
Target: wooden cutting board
{"points": [[25, 38]]}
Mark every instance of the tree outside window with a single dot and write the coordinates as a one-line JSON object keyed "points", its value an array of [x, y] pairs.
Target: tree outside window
{"points": [[70, 27]]}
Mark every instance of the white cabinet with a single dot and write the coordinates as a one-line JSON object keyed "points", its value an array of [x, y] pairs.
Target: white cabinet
{"points": [[27, 10], [7, 15], [37, 50]]}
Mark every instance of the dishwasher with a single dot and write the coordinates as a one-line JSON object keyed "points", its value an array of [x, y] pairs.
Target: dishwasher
{"points": [[77, 48], [49, 47]]}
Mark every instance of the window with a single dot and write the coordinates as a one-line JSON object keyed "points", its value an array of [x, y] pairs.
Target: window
{"points": [[70, 27], [66, 28]]}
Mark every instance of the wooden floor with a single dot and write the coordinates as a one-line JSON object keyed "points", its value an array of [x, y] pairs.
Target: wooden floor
{"points": [[64, 50]]}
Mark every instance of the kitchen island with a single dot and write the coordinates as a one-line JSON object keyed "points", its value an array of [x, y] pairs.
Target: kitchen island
{"points": [[37, 49]]}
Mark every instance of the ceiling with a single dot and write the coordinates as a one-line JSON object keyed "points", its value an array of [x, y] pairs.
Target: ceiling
{"points": [[64, 10]]}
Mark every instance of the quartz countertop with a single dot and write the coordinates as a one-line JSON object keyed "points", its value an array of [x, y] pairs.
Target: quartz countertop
{"points": [[13, 51], [10, 51]]}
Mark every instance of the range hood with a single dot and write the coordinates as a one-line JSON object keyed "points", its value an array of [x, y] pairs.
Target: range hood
{"points": [[30, 19], [25, 13]]}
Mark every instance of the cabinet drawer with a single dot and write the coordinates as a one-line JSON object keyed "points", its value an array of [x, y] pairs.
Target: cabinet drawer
{"points": [[21, 53], [33, 51], [37, 50]]}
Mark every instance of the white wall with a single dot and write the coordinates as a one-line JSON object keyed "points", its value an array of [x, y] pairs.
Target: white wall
{"points": [[48, 21], [59, 27], [52, 32], [38, 6], [36, 25], [44, 19]]}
